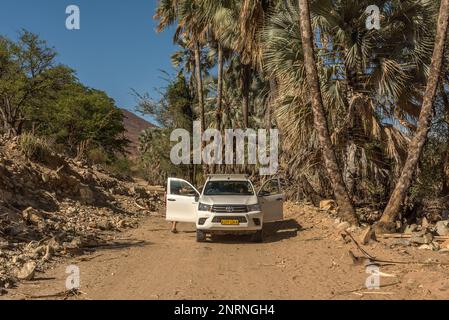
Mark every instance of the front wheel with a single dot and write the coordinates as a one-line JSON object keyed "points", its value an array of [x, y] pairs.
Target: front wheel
{"points": [[258, 236], [200, 236]]}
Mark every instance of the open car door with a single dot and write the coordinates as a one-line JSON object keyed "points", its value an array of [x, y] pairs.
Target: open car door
{"points": [[271, 200], [181, 201]]}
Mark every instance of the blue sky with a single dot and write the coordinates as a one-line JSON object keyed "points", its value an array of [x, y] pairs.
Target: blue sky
{"points": [[116, 49]]}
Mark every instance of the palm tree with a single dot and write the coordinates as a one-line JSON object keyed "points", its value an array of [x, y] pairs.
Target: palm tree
{"points": [[240, 28], [320, 122], [213, 12], [191, 28], [363, 115], [425, 117]]}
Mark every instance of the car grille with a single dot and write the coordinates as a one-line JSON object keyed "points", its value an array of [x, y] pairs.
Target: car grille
{"points": [[218, 219], [229, 208]]}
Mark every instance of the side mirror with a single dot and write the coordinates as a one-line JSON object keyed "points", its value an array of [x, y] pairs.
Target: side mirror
{"points": [[197, 198]]}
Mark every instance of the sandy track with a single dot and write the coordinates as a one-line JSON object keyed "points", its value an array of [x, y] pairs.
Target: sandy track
{"points": [[301, 258]]}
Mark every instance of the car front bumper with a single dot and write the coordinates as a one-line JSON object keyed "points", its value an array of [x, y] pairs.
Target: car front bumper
{"points": [[211, 222]]}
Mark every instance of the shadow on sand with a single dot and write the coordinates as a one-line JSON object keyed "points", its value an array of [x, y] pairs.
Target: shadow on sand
{"points": [[273, 232]]}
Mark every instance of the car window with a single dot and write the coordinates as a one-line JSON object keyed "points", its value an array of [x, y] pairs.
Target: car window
{"points": [[270, 188], [181, 188], [230, 188]]}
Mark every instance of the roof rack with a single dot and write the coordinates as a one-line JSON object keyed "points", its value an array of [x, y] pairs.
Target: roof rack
{"points": [[231, 175]]}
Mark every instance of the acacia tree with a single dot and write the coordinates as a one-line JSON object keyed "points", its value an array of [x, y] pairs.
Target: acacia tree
{"points": [[320, 122], [417, 144], [28, 76]]}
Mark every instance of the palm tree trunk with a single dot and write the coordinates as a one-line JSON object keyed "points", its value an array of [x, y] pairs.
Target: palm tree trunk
{"points": [[270, 102], [346, 208], [199, 88], [199, 85], [445, 173], [445, 164], [246, 78], [219, 110], [424, 122]]}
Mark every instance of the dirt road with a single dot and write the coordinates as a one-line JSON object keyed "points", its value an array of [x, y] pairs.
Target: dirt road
{"points": [[301, 258]]}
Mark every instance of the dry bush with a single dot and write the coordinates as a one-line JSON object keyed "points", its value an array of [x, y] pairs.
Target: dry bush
{"points": [[34, 147]]}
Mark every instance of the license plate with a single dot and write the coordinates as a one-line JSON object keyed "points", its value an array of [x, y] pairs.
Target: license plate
{"points": [[230, 222]]}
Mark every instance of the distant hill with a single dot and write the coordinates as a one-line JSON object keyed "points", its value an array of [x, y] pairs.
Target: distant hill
{"points": [[134, 126]]}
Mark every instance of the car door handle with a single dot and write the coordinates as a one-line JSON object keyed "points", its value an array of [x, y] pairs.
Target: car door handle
{"points": [[279, 199], [171, 199]]}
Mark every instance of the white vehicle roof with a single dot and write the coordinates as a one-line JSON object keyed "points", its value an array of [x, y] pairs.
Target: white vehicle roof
{"points": [[231, 177]]}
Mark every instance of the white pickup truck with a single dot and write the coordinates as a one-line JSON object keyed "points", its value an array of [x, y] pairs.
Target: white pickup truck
{"points": [[227, 204]]}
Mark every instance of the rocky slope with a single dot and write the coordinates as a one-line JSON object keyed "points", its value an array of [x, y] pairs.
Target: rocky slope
{"points": [[60, 208], [134, 126]]}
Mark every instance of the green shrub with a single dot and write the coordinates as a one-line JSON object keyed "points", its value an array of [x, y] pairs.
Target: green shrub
{"points": [[34, 147]]}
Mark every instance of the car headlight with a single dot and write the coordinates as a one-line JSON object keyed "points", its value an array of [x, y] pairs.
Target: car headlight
{"points": [[254, 207], [204, 207]]}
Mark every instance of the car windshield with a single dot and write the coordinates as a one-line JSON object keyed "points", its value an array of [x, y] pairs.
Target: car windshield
{"points": [[228, 188]]}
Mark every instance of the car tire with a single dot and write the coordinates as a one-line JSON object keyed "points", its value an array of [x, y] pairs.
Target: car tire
{"points": [[200, 236], [258, 236]]}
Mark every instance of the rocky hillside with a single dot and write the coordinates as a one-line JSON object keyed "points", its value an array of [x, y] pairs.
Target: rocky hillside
{"points": [[59, 208], [134, 126]]}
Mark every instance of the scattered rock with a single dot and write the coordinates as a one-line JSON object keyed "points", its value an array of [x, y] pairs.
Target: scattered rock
{"points": [[424, 223], [4, 245], [48, 253], [432, 246], [86, 194], [400, 242], [39, 251], [421, 238], [32, 215], [445, 245], [327, 205], [27, 272], [410, 228], [68, 209], [445, 214], [138, 191], [343, 226], [105, 225], [121, 224], [442, 228], [367, 235], [71, 210]]}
